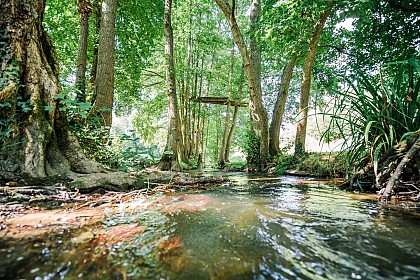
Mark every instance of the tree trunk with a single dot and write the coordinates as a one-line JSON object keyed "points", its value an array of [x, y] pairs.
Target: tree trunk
{"points": [[235, 116], [254, 48], [306, 83], [170, 159], [223, 147], [93, 73], [257, 110], [45, 145], [279, 107], [105, 76], [84, 7]]}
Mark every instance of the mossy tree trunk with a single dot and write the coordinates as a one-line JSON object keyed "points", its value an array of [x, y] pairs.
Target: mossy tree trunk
{"points": [[171, 157], [40, 143]]}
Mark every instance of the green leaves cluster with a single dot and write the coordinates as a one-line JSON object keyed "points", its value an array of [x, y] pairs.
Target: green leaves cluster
{"points": [[11, 105], [375, 113]]}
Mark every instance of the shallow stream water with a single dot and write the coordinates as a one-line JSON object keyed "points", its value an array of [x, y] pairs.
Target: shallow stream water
{"points": [[256, 228]]}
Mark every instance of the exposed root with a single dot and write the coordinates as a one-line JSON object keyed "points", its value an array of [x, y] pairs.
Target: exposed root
{"points": [[398, 172]]}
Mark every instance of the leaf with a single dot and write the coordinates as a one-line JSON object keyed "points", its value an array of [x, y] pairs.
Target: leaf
{"points": [[84, 106], [83, 114], [48, 108], [60, 96]]}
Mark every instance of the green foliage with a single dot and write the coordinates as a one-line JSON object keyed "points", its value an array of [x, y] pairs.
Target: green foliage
{"points": [[381, 33], [125, 152], [375, 112], [284, 162], [252, 146], [236, 165], [12, 106], [324, 165], [132, 154], [76, 111], [62, 24]]}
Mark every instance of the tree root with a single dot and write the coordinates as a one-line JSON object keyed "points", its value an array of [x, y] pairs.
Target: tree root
{"points": [[394, 180], [398, 172]]}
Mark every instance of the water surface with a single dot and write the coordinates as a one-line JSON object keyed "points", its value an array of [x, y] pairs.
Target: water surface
{"points": [[270, 228]]}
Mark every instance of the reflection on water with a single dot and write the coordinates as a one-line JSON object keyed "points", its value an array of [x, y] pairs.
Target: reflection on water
{"points": [[276, 228]]}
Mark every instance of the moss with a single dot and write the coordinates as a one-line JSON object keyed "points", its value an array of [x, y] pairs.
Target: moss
{"points": [[74, 185]]}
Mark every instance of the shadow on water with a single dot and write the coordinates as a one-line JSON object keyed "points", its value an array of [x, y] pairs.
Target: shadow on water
{"points": [[255, 228]]}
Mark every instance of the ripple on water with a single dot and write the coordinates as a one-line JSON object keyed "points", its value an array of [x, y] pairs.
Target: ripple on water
{"points": [[266, 228]]}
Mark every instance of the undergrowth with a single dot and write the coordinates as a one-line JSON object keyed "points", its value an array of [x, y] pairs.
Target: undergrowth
{"points": [[324, 165]]}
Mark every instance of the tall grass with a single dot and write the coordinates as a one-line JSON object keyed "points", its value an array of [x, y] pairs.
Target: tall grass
{"points": [[372, 113]]}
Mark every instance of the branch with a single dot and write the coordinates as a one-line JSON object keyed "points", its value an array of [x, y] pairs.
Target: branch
{"points": [[151, 85], [153, 73], [339, 49]]}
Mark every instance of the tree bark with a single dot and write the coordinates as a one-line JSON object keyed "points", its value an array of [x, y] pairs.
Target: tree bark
{"points": [[306, 83], [222, 147], [105, 77], [235, 116], [93, 73], [279, 107], [84, 7], [170, 159], [46, 146], [257, 110], [222, 152]]}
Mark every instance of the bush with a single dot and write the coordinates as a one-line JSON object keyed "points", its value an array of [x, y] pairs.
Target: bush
{"points": [[376, 112]]}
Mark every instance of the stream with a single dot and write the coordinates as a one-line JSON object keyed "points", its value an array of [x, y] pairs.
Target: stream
{"points": [[254, 228]]}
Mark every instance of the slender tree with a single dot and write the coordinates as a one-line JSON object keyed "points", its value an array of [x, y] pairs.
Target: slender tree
{"points": [[96, 9], [235, 115], [306, 82], [84, 7], [40, 143], [105, 76], [222, 153], [280, 105], [171, 157]]}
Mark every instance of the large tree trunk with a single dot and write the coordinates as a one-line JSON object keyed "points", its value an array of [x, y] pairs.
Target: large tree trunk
{"points": [[306, 82], [260, 122], [84, 7], [257, 110], [170, 159], [279, 107], [40, 143], [106, 60]]}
